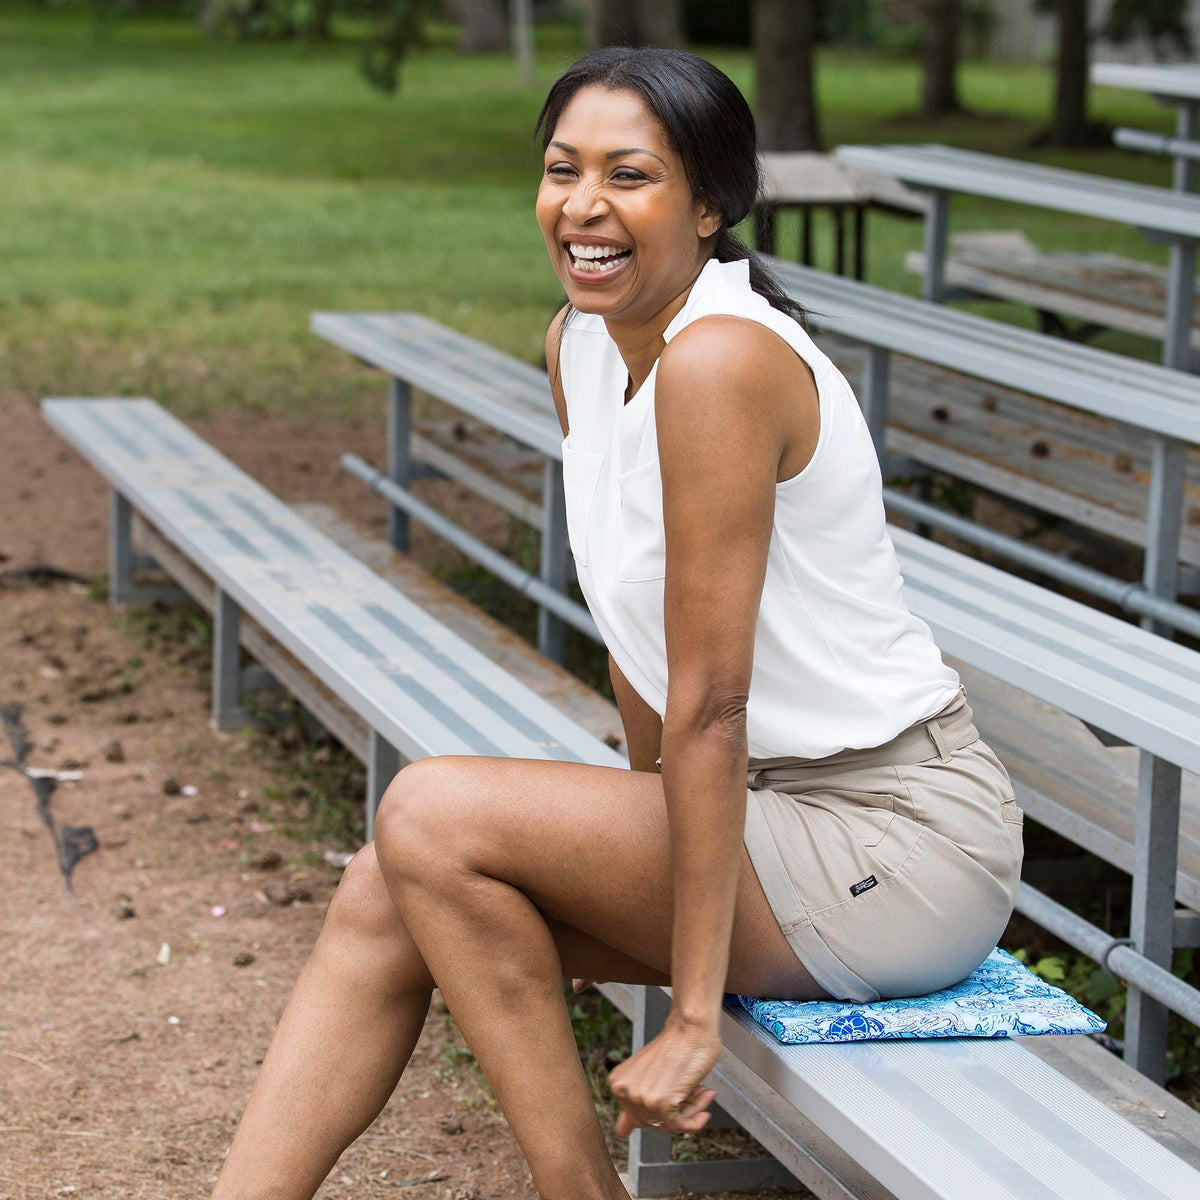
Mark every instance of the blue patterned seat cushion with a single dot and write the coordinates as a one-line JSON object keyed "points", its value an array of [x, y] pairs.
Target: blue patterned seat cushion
{"points": [[1001, 998]]}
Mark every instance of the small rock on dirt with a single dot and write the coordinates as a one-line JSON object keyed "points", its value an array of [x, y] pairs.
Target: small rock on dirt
{"points": [[114, 752], [170, 786], [286, 892], [452, 1124], [243, 958], [123, 910], [269, 860]]}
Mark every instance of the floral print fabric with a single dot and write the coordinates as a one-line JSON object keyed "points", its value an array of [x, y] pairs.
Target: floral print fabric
{"points": [[1001, 998]]}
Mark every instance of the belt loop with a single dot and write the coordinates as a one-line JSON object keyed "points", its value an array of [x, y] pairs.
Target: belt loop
{"points": [[934, 729]]}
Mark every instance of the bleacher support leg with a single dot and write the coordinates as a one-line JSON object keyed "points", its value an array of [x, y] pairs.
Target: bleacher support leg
{"points": [[937, 231], [383, 761], [227, 715], [551, 630], [1164, 523], [120, 550], [651, 1171], [1181, 285], [874, 395], [1152, 924], [1181, 269], [399, 431]]}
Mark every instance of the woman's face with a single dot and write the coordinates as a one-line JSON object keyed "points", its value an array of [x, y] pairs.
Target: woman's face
{"points": [[623, 230]]}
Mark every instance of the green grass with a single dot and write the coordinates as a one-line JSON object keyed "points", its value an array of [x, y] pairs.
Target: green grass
{"points": [[172, 208]]}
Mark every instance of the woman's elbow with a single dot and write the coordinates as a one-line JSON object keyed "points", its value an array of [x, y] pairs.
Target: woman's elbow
{"points": [[718, 714]]}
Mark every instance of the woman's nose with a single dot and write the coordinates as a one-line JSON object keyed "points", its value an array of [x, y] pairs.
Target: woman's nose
{"points": [[585, 203]]}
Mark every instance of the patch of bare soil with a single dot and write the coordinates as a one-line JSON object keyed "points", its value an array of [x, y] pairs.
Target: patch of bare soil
{"points": [[135, 1008]]}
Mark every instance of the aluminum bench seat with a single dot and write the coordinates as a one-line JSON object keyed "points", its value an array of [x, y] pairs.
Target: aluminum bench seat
{"points": [[492, 387], [1146, 395], [950, 169], [1166, 215], [421, 689], [921, 1120]]}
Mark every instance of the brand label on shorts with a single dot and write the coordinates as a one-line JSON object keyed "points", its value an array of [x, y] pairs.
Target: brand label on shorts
{"points": [[863, 885]]}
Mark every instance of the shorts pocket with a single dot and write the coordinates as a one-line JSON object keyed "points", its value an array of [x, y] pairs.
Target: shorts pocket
{"points": [[581, 474], [867, 815]]}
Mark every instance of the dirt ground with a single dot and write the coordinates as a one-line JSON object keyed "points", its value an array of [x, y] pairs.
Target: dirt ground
{"points": [[135, 1008]]}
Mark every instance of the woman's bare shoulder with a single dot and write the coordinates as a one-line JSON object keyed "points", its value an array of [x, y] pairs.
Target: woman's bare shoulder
{"points": [[739, 363]]}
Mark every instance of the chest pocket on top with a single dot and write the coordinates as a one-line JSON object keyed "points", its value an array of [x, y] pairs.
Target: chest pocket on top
{"points": [[643, 542], [581, 472]]}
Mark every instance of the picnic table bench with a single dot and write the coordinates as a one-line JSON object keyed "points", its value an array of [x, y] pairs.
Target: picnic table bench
{"points": [[1161, 213], [911, 1119]]}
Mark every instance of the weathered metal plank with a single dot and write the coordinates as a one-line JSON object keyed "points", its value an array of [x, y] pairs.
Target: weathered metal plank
{"points": [[1101, 670], [511, 395], [292, 596], [972, 1117], [1068, 781], [1145, 395], [931, 166]]}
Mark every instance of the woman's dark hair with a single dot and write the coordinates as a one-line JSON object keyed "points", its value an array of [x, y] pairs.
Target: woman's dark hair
{"points": [[707, 121]]}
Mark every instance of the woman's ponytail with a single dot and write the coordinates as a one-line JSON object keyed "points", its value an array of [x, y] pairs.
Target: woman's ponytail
{"points": [[731, 248]]}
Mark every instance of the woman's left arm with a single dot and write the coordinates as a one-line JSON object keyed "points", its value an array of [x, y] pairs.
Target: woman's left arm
{"points": [[726, 410]]}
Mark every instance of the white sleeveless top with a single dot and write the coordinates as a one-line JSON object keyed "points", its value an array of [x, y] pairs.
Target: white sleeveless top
{"points": [[839, 661]]}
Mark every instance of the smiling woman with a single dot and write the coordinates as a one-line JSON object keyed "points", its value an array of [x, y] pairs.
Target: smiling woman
{"points": [[810, 810]]}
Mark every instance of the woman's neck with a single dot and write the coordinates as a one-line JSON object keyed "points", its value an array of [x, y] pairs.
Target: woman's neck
{"points": [[641, 342]]}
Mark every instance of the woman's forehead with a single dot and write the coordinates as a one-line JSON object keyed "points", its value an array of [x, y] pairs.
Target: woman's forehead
{"points": [[606, 119]]}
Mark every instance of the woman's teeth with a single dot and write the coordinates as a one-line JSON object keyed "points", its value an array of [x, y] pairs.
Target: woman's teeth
{"points": [[597, 259]]}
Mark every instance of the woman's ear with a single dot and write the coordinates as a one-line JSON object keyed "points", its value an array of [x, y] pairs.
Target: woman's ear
{"points": [[708, 222]]}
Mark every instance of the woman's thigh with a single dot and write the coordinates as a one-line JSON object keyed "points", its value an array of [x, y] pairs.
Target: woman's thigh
{"points": [[590, 847]]}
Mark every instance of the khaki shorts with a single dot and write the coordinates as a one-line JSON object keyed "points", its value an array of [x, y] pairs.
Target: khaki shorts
{"points": [[892, 871]]}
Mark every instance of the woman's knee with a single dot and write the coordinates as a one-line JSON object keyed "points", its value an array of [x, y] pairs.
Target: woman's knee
{"points": [[416, 816], [362, 903]]}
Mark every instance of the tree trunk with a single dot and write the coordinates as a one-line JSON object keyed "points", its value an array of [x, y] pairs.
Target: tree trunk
{"points": [[784, 41], [660, 23], [939, 57], [320, 27], [610, 23], [1070, 125], [484, 25]]}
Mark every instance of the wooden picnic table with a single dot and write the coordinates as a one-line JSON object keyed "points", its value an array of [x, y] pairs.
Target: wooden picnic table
{"points": [[807, 181], [1160, 213]]}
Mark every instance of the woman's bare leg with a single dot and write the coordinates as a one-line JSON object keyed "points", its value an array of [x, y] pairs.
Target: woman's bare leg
{"points": [[589, 847], [346, 1035], [477, 854]]}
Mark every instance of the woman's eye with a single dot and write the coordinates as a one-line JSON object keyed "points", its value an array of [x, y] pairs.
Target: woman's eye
{"points": [[627, 175], [560, 170]]}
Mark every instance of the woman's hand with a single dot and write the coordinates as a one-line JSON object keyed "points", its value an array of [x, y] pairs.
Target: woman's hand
{"points": [[660, 1084]]}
